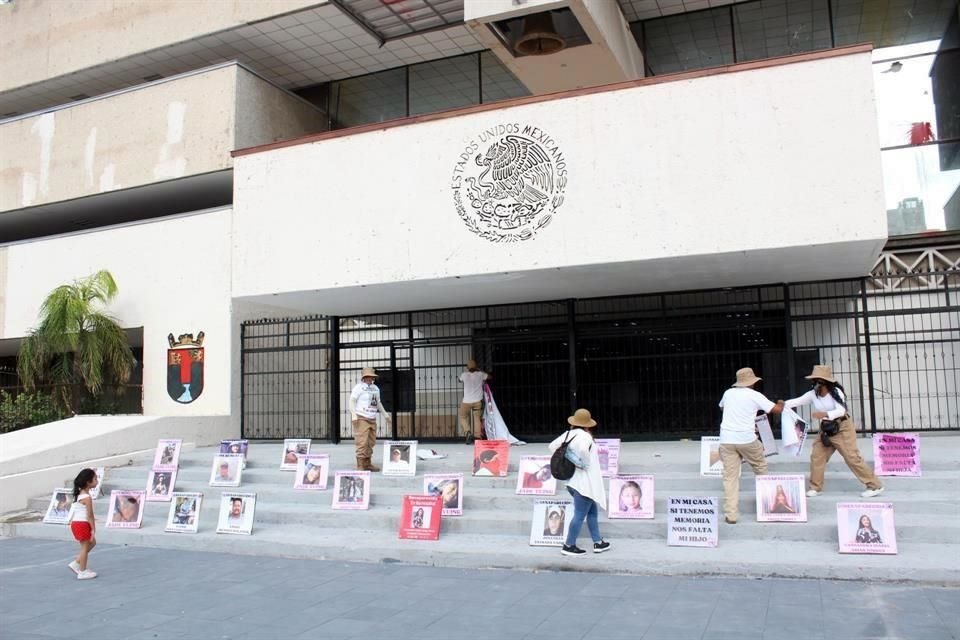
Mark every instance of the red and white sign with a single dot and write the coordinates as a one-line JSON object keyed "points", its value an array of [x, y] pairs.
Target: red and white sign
{"points": [[420, 517]]}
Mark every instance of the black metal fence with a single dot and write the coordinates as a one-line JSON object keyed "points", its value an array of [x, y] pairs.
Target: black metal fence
{"points": [[648, 366]]}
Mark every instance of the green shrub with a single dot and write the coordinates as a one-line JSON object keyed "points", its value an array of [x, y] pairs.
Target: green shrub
{"points": [[26, 410]]}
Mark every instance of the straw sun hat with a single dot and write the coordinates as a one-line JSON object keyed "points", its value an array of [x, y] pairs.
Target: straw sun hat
{"points": [[581, 418], [822, 372], [746, 378], [368, 372]]}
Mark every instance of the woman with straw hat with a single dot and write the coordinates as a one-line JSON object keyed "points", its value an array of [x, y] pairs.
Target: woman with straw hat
{"points": [[738, 437], [830, 407], [365, 405], [586, 485]]}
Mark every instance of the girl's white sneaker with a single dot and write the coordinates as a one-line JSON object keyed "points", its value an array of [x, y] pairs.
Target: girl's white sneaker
{"points": [[86, 575], [74, 566]]}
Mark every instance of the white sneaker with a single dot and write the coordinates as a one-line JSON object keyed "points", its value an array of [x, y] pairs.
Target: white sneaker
{"points": [[871, 493], [86, 575], [812, 493]]}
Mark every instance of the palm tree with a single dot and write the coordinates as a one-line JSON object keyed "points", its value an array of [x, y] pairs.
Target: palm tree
{"points": [[77, 343]]}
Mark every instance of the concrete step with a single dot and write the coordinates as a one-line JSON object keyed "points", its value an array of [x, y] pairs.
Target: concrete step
{"points": [[916, 561]]}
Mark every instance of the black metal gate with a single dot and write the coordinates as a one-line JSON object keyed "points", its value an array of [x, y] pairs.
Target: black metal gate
{"points": [[648, 366]]}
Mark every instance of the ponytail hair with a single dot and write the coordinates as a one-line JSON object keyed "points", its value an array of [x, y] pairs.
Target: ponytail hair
{"points": [[82, 480]]}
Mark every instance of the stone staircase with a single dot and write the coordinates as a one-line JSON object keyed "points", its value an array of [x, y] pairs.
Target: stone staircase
{"points": [[495, 527]]}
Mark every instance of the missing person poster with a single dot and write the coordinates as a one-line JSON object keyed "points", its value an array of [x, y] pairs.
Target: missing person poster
{"points": [[896, 454], [762, 424], [710, 464], [312, 471], [227, 470], [236, 513], [58, 511], [126, 509], [551, 520], [534, 477], [781, 498], [293, 448], [866, 527], [400, 458], [236, 447], [631, 497], [491, 458], [420, 517], [167, 455], [793, 430], [184, 514], [351, 490], [608, 449], [160, 485], [692, 521], [97, 491], [449, 486]]}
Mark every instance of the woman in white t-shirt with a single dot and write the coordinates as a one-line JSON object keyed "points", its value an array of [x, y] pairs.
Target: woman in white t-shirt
{"points": [[738, 437], [471, 407], [830, 408]]}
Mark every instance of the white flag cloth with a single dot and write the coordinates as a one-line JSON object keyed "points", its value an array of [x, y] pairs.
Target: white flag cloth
{"points": [[793, 430], [493, 423]]}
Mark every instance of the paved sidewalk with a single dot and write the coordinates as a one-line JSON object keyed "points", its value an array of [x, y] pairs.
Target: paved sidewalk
{"points": [[157, 594]]}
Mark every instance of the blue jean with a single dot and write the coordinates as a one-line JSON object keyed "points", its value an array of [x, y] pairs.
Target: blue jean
{"points": [[583, 507]]}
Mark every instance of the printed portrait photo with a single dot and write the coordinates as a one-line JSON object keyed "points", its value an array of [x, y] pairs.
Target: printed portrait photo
{"points": [[292, 450], [419, 516], [160, 485], [58, 511], [631, 497], [184, 514], [449, 487], [311, 472], [781, 498], [126, 509], [167, 455], [534, 476], [553, 521], [710, 464], [866, 527], [548, 526], [236, 513], [490, 458], [399, 458], [351, 490], [227, 470]]}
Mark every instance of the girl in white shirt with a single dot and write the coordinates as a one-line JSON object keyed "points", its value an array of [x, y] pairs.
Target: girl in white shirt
{"points": [[829, 403], [82, 523]]}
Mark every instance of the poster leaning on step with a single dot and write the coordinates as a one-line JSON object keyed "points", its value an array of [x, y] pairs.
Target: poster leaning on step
{"points": [[866, 527], [184, 514], [59, 509], [692, 521], [400, 458], [236, 513], [448, 486], [351, 490], [126, 509], [550, 522]]}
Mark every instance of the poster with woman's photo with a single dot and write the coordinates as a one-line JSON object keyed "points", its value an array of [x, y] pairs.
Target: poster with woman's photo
{"points": [[227, 470], [710, 463], [866, 527], [551, 520], [351, 490], [534, 477], [311, 472], [126, 509], [491, 458], [167, 455], [97, 491], [400, 458], [184, 514], [608, 449], [160, 485], [235, 447], [236, 513], [631, 497], [420, 517], [293, 448], [449, 486], [781, 498], [58, 511]]}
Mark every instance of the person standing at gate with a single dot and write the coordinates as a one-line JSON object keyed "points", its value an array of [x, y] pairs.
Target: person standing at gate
{"points": [[364, 406], [471, 407], [837, 432], [738, 436]]}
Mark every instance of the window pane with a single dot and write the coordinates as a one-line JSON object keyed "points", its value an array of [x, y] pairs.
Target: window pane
{"points": [[770, 28], [921, 193], [887, 23], [371, 98], [689, 41], [904, 97], [498, 82], [444, 84]]}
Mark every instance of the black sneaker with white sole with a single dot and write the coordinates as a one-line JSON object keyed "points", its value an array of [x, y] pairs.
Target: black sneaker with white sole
{"points": [[600, 547], [572, 550]]}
